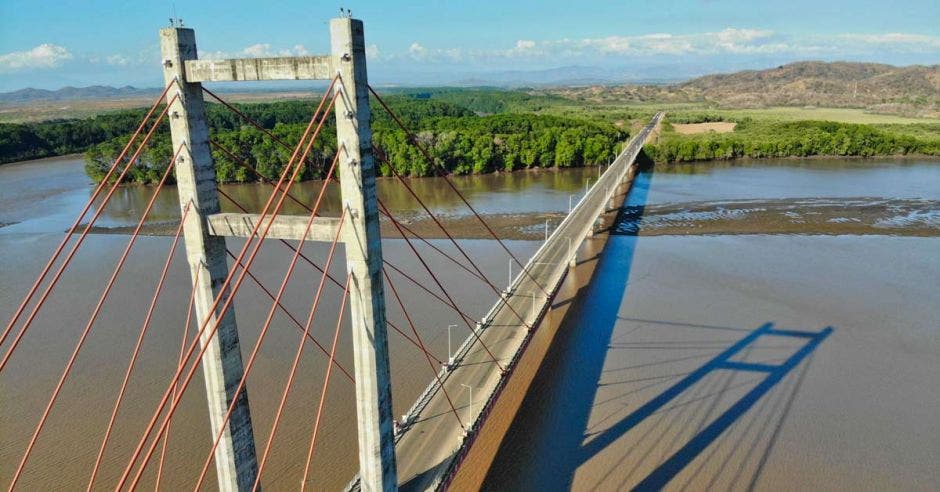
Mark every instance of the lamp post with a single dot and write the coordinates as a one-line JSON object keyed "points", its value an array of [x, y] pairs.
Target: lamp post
{"points": [[509, 283], [470, 414], [534, 309], [450, 355]]}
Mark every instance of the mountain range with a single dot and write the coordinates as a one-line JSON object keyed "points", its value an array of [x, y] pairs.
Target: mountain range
{"points": [[911, 89], [74, 93]]}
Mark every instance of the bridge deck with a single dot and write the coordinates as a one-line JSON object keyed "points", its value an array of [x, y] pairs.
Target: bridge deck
{"points": [[430, 446]]}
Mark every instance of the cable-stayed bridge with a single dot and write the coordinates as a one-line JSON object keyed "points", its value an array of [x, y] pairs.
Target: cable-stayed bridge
{"points": [[422, 449]]}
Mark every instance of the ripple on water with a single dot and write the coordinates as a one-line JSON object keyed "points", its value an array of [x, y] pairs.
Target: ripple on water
{"points": [[853, 215]]}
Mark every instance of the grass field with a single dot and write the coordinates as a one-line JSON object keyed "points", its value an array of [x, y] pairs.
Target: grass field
{"points": [[36, 111], [693, 128], [842, 115], [693, 112]]}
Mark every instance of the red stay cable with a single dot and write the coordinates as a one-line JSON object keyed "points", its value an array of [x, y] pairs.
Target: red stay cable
{"points": [[326, 386], [427, 155], [418, 284], [91, 321], [215, 304], [441, 286], [459, 248], [432, 246], [300, 348], [430, 292], [241, 162], [290, 316], [137, 347], [340, 285], [251, 359], [78, 220], [415, 331], [78, 243], [254, 123], [179, 362], [267, 323]]}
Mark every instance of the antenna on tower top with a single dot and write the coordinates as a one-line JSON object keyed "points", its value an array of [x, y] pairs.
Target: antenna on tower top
{"points": [[174, 20]]}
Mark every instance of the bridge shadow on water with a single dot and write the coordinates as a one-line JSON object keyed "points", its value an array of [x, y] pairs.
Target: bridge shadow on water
{"points": [[554, 434]]}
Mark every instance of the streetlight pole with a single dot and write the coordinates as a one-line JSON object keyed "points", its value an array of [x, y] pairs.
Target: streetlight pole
{"points": [[572, 255], [470, 414], [534, 310], [509, 284], [450, 355]]}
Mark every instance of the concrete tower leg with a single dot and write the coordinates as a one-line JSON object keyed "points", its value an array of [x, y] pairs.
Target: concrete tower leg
{"points": [[361, 237], [235, 460]]}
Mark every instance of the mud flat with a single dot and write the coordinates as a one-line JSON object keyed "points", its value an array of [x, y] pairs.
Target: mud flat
{"points": [[815, 216], [711, 127]]}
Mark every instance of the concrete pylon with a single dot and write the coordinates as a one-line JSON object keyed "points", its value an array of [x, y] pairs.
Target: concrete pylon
{"points": [[377, 469], [235, 460]]}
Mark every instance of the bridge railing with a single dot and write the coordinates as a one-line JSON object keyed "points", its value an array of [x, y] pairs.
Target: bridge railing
{"points": [[530, 292]]}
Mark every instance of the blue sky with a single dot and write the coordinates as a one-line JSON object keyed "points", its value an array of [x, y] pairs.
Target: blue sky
{"points": [[50, 45]]}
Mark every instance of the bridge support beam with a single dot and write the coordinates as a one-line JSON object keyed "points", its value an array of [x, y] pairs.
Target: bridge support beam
{"points": [[235, 460], [361, 236]]}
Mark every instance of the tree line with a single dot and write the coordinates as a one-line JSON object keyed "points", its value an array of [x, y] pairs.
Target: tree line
{"points": [[458, 141], [791, 139]]}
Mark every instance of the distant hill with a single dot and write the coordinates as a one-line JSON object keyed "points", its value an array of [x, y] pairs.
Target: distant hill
{"points": [[824, 84], [73, 93], [913, 90]]}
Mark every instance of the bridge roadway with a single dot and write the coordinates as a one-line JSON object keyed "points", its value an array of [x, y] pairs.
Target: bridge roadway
{"points": [[431, 442]]}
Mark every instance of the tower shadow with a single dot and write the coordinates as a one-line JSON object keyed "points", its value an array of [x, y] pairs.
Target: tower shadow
{"points": [[774, 373], [553, 422], [574, 363]]}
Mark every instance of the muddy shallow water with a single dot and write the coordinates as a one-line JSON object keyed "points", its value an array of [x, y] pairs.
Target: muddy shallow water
{"points": [[853, 407], [744, 361]]}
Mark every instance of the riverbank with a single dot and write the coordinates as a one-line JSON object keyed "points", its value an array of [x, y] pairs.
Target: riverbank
{"points": [[803, 216]]}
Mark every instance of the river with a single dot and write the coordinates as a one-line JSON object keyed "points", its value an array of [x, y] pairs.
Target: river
{"points": [[874, 285], [637, 393]]}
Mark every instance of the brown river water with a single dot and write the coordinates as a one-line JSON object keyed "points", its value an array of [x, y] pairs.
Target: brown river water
{"points": [[730, 256]]}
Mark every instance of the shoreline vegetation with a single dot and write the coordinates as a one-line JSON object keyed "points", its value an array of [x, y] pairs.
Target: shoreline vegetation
{"points": [[460, 140], [478, 131], [757, 139]]}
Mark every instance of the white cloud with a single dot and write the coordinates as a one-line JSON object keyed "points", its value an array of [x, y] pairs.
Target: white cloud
{"points": [[43, 56], [730, 41], [119, 60], [417, 51], [894, 40], [372, 51], [259, 50]]}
